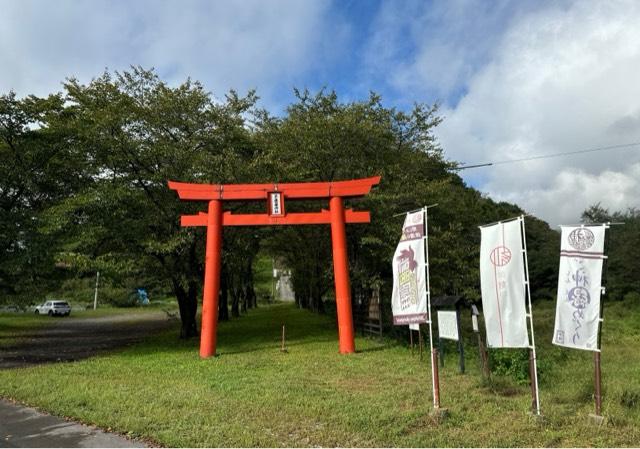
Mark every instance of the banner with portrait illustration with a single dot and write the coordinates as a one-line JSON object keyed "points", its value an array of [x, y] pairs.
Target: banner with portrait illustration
{"points": [[579, 287], [502, 281], [409, 296]]}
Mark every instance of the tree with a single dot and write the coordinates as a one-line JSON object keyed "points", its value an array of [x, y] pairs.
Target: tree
{"points": [[138, 133], [321, 138], [85, 186], [38, 168], [622, 265]]}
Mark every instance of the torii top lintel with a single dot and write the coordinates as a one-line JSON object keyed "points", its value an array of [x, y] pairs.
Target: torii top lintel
{"points": [[305, 190], [245, 192]]}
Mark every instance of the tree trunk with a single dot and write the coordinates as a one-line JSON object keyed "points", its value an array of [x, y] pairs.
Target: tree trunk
{"points": [[318, 304], [192, 309], [188, 306], [252, 296], [243, 300], [245, 279], [251, 293], [235, 303], [223, 305], [297, 299]]}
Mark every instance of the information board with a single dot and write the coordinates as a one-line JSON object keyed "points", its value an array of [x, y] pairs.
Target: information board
{"points": [[448, 325]]}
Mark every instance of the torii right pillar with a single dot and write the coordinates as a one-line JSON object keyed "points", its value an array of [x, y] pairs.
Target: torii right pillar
{"points": [[346, 339]]}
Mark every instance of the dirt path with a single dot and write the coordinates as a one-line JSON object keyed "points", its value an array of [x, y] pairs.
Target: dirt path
{"points": [[68, 339]]}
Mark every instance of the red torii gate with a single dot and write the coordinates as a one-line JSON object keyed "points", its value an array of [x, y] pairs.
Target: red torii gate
{"points": [[276, 195]]}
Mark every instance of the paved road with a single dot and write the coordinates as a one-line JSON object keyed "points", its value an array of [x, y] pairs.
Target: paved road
{"points": [[68, 339], [26, 427]]}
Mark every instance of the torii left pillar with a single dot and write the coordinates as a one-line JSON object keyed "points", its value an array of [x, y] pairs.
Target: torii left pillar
{"points": [[275, 194], [213, 261]]}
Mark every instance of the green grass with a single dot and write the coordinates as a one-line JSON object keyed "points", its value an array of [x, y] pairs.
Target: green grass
{"points": [[254, 395], [111, 311], [12, 325]]}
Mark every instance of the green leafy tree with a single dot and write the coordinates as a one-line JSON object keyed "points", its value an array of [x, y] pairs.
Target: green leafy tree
{"points": [[322, 139], [38, 168], [139, 133], [85, 176], [623, 264]]}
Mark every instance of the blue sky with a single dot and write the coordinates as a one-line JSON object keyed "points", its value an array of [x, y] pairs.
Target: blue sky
{"points": [[514, 78]]}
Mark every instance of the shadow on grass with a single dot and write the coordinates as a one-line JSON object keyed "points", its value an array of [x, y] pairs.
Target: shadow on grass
{"points": [[259, 330], [373, 349], [502, 386], [68, 341]]}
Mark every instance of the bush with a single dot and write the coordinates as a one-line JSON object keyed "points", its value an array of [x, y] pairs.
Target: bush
{"points": [[630, 399], [632, 298], [512, 363]]}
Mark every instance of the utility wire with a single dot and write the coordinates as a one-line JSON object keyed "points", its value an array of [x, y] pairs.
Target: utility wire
{"points": [[546, 156]]}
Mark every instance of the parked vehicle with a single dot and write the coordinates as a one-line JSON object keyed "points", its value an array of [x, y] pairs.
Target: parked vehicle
{"points": [[9, 309], [54, 308]]}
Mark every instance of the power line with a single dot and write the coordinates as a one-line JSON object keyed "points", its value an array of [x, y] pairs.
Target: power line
{"points": [[546, 156]]}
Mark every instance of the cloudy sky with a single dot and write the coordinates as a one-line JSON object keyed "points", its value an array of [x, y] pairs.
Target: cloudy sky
{"points": [[515, 79]]}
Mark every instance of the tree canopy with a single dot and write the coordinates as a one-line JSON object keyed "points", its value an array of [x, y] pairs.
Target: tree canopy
{"points": [[622, 266], [84, 188]]}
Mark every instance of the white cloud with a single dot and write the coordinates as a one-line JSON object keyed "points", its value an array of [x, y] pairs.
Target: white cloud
{"points": [[434, 47], [562, 78], [236, 44], [570, 191]]}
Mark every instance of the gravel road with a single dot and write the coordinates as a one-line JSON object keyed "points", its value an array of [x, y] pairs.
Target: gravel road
{"points": [[67, 338]]}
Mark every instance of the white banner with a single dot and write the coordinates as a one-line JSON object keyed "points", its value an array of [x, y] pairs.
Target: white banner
{"points": [[448, 325], [409, 297], [579, 287], [503, 285]]}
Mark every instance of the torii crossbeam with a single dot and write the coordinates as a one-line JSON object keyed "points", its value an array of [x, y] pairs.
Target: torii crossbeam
{"points": [[275, 195]]}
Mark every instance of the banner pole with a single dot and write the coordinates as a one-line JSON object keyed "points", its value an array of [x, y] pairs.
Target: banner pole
{"points": [[533, 364], [434, 355], [598, 383], [596, 354], [411, 339], [505, 221]]}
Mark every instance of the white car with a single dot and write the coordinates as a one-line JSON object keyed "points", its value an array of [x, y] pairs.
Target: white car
{"points": [[54, 308]]}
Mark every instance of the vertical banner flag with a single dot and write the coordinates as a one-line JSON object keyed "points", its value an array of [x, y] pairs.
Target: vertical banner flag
{"points": [[409, 297], [503, 285], [579, 287]]}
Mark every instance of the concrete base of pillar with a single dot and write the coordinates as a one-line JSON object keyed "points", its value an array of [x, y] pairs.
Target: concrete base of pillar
{"points": [[539, 419], [440, 414], [597, 419]]}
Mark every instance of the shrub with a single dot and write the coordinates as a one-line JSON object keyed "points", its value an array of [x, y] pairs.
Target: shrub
{"points": [[630, 399], [514, 363], [632, 298]]}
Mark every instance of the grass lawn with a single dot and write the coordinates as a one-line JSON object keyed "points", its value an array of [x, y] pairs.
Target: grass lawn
{"points": [[12, 325], [254, 395]]}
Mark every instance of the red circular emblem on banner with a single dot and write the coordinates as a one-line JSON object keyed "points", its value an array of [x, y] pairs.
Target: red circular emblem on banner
{"points": [[500, 256]]}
